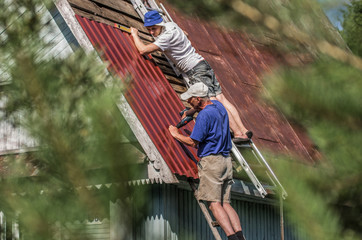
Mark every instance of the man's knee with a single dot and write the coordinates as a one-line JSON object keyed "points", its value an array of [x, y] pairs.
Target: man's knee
{"points": [[227, 205], [221, 98], [214, 205]]}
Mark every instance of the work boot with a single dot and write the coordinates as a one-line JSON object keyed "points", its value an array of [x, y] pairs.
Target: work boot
{"points": [[249, 134], [240, 235], [233, 237]]}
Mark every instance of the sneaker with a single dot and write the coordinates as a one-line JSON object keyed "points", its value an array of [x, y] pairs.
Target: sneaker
{"points": [[249, 134]]}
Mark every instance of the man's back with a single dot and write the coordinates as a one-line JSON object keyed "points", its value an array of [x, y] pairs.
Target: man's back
{"points": [[212, 130], [177, 47]]}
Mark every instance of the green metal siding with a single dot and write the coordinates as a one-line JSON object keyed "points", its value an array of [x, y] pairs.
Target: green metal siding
{"points": [[174, 214]]}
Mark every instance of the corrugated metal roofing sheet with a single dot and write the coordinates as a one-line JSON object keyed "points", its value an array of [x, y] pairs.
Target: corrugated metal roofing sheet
{"points": [[149, 93]]}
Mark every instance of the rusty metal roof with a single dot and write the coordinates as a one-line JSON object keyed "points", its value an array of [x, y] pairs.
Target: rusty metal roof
{"points": [[149, 93], [239, 67], [238, 63]]}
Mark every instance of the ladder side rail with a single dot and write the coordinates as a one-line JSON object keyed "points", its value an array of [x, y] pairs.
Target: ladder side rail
{"points": [[271, 179], [262, 164], [205, 211], [166, 12], [268, 171], [274, 184], [256, 156], [140, 8], [284, 193], [248, 170], [209, 220], [154, 6]]}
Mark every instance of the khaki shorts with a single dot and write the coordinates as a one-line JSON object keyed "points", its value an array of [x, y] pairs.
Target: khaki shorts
{"points": [[216, 178]]}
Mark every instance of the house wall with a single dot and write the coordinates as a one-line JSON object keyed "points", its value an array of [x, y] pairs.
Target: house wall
{"points": [[90, 230], [56, 32], [174, 214], [171, 213]]}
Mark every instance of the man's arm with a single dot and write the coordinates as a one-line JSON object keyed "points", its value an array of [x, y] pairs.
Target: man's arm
{"points": [[186, 140], [141, 47]]}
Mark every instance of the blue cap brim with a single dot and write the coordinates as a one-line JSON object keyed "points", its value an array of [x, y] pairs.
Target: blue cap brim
{"points": [[149, 24]]}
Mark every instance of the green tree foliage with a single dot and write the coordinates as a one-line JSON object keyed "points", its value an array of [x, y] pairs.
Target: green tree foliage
{"points": [[352, 26], [267, 20], [64, 106], [324, 200], [324, 96]]}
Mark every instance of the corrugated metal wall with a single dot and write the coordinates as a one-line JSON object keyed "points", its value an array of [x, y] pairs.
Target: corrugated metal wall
{"points": [[96, 230], [175, 214]]}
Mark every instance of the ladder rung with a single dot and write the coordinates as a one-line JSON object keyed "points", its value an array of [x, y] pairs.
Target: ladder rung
{"points": [[246, 145], [203, 206], [215, 224]]}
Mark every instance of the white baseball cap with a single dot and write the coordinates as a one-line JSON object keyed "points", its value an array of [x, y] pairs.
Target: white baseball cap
{"points": [[199, 89]]}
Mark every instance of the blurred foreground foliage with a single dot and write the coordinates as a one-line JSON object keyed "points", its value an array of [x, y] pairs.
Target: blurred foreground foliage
{"points": [[272, 22], [352, 26], [325, 200], [323, 95], [65, 107]]}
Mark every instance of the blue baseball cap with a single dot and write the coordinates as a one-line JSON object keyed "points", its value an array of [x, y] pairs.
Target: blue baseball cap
{"points": [[152, 18]]}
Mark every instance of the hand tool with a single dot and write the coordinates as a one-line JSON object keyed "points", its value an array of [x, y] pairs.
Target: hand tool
{"points": [[186, 119]]}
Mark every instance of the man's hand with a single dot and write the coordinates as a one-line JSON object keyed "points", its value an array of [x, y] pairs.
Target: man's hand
{"points": [[173, 130], [134, 31], [178, 136], [141, 47]]}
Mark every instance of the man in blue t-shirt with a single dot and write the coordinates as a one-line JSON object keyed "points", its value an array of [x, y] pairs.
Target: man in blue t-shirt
{"points": [[211, 135]]}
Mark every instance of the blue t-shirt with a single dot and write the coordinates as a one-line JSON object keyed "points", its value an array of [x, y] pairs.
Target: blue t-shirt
{"points": [[212, 130]]}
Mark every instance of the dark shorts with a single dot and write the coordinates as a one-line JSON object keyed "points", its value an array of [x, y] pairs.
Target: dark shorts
{"points": [[203, 72], [216, 178]]}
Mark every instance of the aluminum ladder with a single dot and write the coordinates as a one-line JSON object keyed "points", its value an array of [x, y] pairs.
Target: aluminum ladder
{"points": [[260, 160]]}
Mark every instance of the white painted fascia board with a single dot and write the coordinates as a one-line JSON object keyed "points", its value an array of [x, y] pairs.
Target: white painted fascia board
{"points": [[157, 167]]}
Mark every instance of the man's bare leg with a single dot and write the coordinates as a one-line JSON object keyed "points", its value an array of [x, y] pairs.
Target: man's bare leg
{"points": [[234, 118], [233, 216], [222, 217]]}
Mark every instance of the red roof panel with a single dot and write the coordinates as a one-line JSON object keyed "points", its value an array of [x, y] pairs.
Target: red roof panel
{"points": [[149, 93]]}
